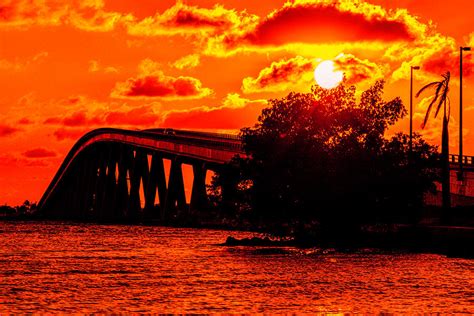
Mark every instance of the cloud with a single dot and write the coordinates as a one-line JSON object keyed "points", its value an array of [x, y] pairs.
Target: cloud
{"points": [[448, 60], [470, 40], [39, 153], [141, 116], [434, 53], [95, 67], [24, 121], [281, 75], [84, 112], [78, 118], [161, 86], [88, 15], [91, 16], [318, 22], [7, 130], [309, 22], [21, 64], [234, 113], [52, 120], [69, 133], [187, 62], [20, 13], [297, 73], [153, 83], [182, 19], [11, 160], [357, 70]]}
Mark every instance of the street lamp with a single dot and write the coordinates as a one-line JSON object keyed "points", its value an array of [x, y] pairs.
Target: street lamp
{"points": [[461, 49], [411, 105]]}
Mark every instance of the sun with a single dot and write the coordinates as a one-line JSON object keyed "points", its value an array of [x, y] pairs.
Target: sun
{"points": [[326, 76]]}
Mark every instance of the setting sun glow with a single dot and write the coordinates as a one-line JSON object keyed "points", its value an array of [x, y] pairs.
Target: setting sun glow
{"points": [[327, 76]]}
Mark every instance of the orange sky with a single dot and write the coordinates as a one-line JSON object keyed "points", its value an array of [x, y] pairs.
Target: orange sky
{"points": [[70, 66]]}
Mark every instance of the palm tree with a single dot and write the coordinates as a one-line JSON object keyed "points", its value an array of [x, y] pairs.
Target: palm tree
{"points": [[440, 98]]}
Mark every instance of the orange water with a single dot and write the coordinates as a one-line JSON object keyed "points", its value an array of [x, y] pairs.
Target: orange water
{"points": [[65, 268]]}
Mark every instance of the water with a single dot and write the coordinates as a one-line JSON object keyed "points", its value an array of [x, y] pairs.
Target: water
{"points": [[65, 268]]}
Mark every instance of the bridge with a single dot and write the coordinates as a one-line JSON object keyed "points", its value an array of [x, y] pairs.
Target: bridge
{"points": [[461, 184], [113, 174]]}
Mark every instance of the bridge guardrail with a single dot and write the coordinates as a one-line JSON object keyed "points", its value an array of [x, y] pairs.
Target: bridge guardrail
{"points": [[171, 131], [466, 160]]}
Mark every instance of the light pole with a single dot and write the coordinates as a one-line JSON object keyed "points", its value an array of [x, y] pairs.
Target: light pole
{"points": [[411, 105], [461, 49]]}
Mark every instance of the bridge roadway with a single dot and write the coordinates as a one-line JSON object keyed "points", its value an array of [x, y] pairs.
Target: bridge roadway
{"points": [[110, 173]]}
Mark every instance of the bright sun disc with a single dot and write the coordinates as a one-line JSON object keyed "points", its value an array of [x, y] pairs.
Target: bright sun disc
{"points": [[326, 76]]}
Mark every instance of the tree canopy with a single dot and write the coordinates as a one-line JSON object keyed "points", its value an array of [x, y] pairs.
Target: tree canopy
{"points": [[324, 156]]}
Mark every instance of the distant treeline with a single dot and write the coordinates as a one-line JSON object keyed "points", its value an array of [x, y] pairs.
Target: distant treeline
{"points": [[25, 209]]}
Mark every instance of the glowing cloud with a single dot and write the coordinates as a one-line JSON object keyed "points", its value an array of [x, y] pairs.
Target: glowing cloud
{"points": [[297, 73], [357, 70], [234, 113], [188, 61], [281, 75], [153, 83], [182, 19]]}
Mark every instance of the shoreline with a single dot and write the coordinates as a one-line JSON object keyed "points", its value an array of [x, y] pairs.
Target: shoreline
{"points": [[452, 241]]}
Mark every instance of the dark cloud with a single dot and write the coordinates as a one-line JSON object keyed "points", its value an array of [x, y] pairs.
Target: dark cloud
{"points": [[69, 133], [142, 116], [318, 23], [39, 153], [448, 60], [158, 85], [25, 121], [7, 130]]}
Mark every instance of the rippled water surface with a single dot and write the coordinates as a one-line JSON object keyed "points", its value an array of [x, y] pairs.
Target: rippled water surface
{"points": [[60, 267]]}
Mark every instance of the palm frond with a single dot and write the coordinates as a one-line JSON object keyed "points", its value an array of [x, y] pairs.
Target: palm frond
{"points": [[440, 97], [426, 87], [446, 76]]}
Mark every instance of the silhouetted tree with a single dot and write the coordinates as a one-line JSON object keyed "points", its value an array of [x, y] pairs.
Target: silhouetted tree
{"points": [[323, 157], [27, 208], [440, 99]]}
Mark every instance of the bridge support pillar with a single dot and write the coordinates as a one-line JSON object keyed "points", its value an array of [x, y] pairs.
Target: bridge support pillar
{"points": [[86, 176], [199, 200], [138, 177], [77, 189], [110, 185], [122, 196], [175, 197], [100, 183], [156, 181]]}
